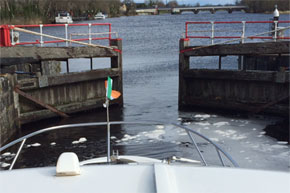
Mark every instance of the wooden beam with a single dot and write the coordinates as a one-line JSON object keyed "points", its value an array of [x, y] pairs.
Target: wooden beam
{"points": [[20, 55], [264, 76], [262, 48], [51, 108]]}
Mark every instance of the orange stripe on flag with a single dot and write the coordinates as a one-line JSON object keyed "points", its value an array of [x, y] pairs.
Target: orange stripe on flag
{"points": [[115, 94]]}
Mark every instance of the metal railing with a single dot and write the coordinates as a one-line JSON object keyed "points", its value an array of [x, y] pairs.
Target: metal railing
{"points": [[189, 131], [242, 30], [7, 31]]}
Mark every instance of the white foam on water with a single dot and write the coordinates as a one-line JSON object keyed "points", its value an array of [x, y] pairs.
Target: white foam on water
{"points": [[155, 134], [282, 142], [52, 143], [220, 124], [4, 165], [6, 154], [35, 144], [160, 126], [203, 123], [82, 140], [205, 116]]}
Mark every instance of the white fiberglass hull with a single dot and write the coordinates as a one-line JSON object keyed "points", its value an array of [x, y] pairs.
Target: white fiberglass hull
{"points": [[146, 178]]}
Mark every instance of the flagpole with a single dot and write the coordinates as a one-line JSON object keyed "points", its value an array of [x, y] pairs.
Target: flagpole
{"points": [[108, 133]]}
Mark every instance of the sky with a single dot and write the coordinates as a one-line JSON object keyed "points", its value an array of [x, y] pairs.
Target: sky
{"points": [[193, 2]]}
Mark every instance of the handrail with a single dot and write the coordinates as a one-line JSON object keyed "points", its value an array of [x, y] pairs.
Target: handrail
{"points": [[274, 37], [10, 42], [187, 129]]}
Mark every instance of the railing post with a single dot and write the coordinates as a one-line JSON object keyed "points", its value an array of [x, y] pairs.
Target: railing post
{"points": [[212, 32], [275, 34], [12, 35], [186, 30], [243, 32], [41, 37], [66, 35], [110, 31], [90, 35]]}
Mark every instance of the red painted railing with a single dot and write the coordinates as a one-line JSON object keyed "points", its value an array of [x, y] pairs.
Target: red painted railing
{"points": [[275, 36], [7, 30]]}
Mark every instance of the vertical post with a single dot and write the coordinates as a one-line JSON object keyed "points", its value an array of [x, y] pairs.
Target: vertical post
{"points": [[220, 62], [41, 37], [241, 57], [110, 31], [70, 37], [275, 34], [186, 30], [67, 66], [90, 35], [12, 35], [66, 35], [243, 32], [212, 32], [91, 62], [108, 133], [183, 67], [116, 62]]}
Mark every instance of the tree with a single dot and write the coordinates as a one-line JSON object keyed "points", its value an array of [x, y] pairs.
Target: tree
{"points": [[131, 7], [172, 4]]}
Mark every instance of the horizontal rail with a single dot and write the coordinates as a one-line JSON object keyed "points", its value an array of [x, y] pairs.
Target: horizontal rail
{"points": [[9, 29], [187, 129], [232, 22], [63, 25], [275, 30], [59, 41]]}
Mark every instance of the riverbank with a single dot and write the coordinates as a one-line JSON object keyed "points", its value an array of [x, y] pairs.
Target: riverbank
{"points": [[20, 21]]}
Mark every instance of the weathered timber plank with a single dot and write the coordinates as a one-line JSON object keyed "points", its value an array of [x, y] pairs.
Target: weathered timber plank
{"points": [[51, 108], [282, 47], [81, 76], [20, 55], [67, 108], [266, 76]]}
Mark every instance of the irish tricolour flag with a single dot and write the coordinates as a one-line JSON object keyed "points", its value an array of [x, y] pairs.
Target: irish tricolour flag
{"points": [[111, 94]]}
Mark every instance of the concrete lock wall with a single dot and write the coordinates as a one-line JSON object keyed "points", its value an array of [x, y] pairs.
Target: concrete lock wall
{"points": [[9, 123]]}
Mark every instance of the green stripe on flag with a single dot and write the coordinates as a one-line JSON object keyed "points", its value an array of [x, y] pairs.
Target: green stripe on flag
{"points": [[109, 88]]}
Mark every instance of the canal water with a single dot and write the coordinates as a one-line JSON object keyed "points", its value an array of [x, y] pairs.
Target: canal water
{"points": [[150, 73]]}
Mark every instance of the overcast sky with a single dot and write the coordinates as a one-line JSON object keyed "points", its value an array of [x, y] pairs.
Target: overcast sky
{"points": [[193, 2]]}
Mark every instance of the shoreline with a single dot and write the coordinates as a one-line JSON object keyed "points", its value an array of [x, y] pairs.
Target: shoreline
{"points": [[39, 20]]}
